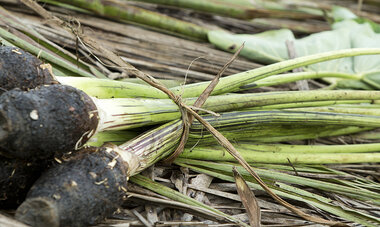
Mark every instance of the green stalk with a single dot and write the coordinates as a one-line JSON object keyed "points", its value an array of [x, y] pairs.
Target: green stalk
{"points": [[214, 7], [43, 54], [295, 26], [114, 137], [177, 196], [230, 9], [276, 126], [306, 105], [282, 154], [235, 82], [359, 182], [166, 82], [267, 134], [120, 89], [314, 168], [65, 6], [122, 11], [292, 77], [240, 101], [285, 178], [373, 105], [240, 120], [306, 149], [116, 114], [160, 142], [306, 133], [296, 194], [370, 135], [105, 88], [264, 126], [339, 109], [124, 113]]}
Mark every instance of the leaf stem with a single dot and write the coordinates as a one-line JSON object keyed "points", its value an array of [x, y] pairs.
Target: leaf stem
{"points": [[235, 82]]}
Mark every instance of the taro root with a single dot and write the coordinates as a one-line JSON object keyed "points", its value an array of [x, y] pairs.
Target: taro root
{"points": [[91, 185], [45, 121], [79, 192], [19, 69], [16, 177]]}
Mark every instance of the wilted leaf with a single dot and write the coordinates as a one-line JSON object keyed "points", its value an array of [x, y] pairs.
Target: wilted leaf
{"points": [[248, 199], [341, 13]]}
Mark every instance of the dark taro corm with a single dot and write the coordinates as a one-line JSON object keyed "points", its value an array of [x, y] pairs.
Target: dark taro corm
{"points": [[16, 178], [80, 192], [19, 69], [46, 121]]}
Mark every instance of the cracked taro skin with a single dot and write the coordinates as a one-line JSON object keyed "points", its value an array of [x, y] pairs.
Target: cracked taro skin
{"points": [[79, 192], [46, 121], [20, 69]]}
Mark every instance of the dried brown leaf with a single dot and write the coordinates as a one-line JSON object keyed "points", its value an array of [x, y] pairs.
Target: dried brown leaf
{"points": [[177, 179], [248, 199]]}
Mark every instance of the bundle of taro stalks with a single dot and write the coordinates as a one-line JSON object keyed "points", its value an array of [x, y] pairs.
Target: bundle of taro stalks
{"points": [[70, 145]]}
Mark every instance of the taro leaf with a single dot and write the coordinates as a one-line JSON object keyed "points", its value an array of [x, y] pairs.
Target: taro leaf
{"points": [[375, 27], [340, 13], [352, 84], [324, 42], [269, 47]]}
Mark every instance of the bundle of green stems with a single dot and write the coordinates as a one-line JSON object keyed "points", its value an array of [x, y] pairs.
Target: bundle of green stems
{"points": [[261, 124]]}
